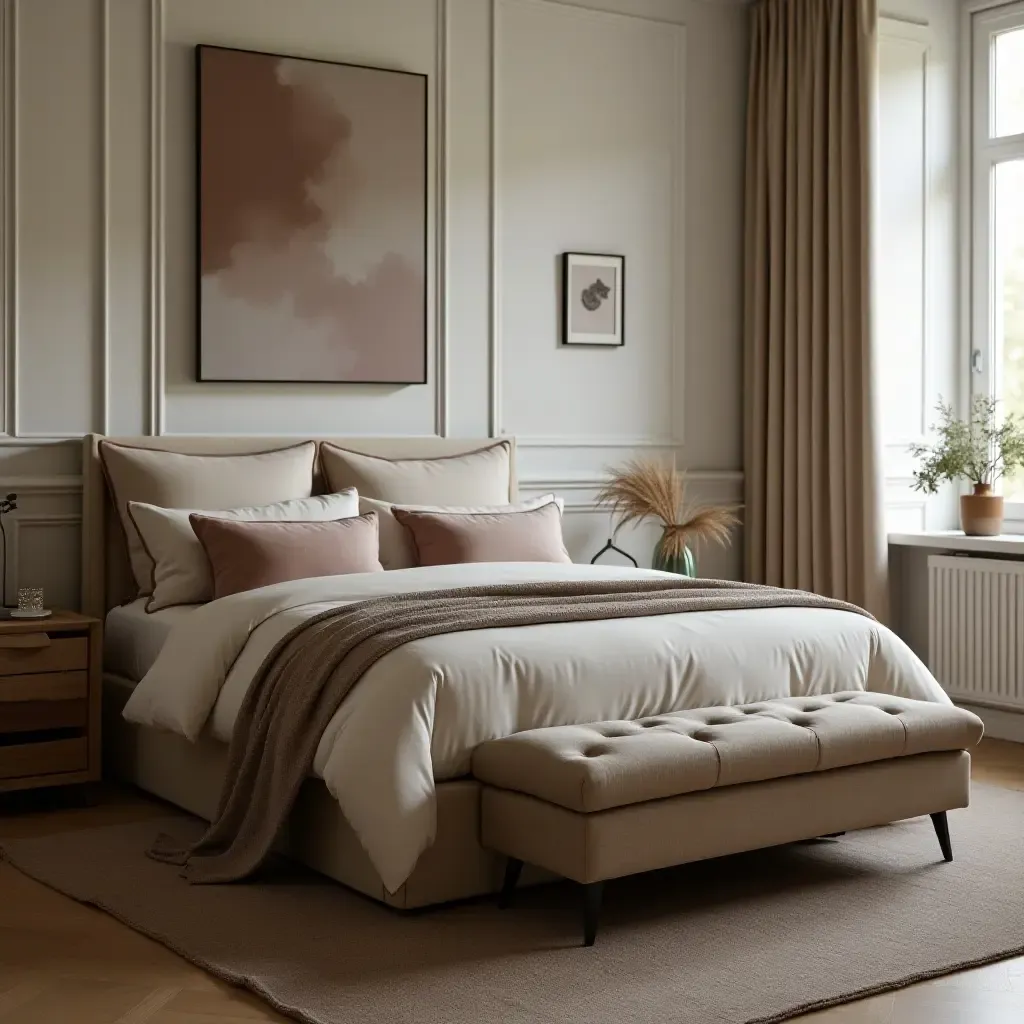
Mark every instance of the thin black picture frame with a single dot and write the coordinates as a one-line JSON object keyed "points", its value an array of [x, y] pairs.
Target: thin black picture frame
{"points": [[567, 258], [198, 241]]}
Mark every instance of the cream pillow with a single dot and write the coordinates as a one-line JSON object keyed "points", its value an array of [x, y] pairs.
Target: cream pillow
{"points": [[173, 480], [181, 570], [481, 477], [397, 550]]}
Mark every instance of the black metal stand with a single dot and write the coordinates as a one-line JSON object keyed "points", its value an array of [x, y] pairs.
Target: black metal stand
{"points": [[610, 546], [942, 831]]}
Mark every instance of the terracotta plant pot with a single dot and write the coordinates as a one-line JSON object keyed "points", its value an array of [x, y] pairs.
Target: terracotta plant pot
{"points": [[981, 513]]}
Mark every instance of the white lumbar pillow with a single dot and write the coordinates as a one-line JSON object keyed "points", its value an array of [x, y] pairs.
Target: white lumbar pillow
{"points": [[181, 570], [397, 548]]}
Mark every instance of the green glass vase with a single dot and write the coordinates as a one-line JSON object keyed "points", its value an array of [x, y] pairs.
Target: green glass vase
{"points": [[682, 564]]}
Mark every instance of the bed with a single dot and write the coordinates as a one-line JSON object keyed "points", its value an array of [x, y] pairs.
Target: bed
{"points": [[433, 700]]}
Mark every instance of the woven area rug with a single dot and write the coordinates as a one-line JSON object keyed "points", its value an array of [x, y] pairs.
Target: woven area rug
{"points": [[756, 937]]}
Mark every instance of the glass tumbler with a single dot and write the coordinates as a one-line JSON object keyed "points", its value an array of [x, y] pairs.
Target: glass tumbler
{"points": [[30, 599]]}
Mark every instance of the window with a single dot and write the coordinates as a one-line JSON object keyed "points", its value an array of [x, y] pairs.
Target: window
{"points": [[997, 327]]}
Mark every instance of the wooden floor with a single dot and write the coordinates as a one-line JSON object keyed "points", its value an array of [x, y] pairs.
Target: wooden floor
{"points": [[63, 963]]}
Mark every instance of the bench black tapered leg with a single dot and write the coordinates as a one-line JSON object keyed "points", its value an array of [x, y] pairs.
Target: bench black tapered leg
{"points": [[942, 831], [591, 910], [513, 868]]}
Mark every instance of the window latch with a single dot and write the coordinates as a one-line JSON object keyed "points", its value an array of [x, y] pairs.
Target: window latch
{"points": [[977, 362]]}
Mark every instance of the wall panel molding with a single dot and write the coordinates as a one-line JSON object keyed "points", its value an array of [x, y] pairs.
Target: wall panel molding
{"points": [[157, 215], [102, 370], [9, 216], [48, 519], [578, 489], [917, 38], [441, 296], [677, 348], [582, 481], [10, 397], [612, 441], [59, 581], [60, 485], [676, 358], [74, 89], [494, 415], [52, 502], [438, 203]]}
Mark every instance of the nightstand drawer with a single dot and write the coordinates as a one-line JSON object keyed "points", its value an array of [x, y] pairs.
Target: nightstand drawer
{"points": [[37, 652], [44, 686], [49, 701], [39, 715], [20, 760]]}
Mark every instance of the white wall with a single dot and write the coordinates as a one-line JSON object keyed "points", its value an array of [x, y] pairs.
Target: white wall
{"points": [[553, 126], [918, 278], [919, 270]]}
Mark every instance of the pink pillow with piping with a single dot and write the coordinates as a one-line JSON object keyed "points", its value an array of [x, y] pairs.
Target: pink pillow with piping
{"points": [[246, 555], [448, 538]]}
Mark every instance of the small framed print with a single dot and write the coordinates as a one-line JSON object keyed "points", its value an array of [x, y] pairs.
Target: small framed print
{"points": [[593, 299]]}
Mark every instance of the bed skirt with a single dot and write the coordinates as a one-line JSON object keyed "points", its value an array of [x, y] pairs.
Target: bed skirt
{"points": [[189, 776]]}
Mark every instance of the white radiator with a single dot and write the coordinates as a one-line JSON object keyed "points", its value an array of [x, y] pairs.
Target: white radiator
{"points": [[976, 629]]}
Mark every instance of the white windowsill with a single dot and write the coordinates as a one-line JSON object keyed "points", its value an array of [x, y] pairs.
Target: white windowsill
{"points": [[956, 540]]}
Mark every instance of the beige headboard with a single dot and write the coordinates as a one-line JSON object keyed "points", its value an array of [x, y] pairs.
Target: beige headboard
{"points": [[106, 576]]}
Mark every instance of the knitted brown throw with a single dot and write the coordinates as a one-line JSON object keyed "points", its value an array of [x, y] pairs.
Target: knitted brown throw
{"points": [[307, 675]]}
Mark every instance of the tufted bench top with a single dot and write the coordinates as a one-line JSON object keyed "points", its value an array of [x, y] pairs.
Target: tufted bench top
{"points": [[611, 764]]}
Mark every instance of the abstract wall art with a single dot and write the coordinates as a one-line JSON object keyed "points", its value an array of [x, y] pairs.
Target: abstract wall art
{"points": [[312, 220], [593, 299]]}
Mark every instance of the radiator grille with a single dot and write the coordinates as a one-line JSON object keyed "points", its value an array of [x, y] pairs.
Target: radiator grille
{"points": [[976, 628]]}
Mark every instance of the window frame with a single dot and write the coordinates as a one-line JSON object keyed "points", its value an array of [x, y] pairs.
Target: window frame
{"points": [[985, 153]]}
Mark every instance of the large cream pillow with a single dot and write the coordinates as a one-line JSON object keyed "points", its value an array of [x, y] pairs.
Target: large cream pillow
{"points": [[480, 477], [173, 480], [397, 549], [181, 570]]}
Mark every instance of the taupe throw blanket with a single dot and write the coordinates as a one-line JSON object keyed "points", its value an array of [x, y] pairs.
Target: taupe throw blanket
{"points": [[307, 675]]}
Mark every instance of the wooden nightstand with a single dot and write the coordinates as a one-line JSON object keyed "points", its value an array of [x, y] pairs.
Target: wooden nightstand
{"points": [[50, 685]]}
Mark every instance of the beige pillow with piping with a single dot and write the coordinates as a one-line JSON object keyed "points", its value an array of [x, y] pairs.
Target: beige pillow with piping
{"points": [[480, 477], [397, 550], [173, 480], [181, 570]]}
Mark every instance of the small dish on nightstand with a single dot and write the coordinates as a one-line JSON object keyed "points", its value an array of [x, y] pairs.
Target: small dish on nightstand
{"points": [[20, 613]]}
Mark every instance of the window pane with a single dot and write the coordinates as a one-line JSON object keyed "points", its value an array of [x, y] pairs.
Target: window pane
{"points": [[1008, 304], [1008, 83]]}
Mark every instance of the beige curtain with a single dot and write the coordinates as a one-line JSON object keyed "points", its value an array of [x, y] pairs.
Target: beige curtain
{"points": [[813, 509]]}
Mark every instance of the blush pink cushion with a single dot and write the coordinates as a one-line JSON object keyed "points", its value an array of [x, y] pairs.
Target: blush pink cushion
{"points": [[247, 555], [447, 538]]}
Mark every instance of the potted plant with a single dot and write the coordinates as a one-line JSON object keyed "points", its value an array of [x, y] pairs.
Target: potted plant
{"points": [[980, 450], [646, 489]]}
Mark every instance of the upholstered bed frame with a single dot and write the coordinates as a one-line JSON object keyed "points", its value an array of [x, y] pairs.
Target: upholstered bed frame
{"points": [[189, 775]]}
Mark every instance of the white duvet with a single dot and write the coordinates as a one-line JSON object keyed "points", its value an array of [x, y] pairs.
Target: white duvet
{"points": [[417, 714]]}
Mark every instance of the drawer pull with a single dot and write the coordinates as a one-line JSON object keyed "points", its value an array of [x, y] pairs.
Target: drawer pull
{"points": [[25, 641]]}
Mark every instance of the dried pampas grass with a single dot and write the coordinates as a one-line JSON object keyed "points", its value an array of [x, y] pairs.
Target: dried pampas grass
{"points": [[646, 489]]}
